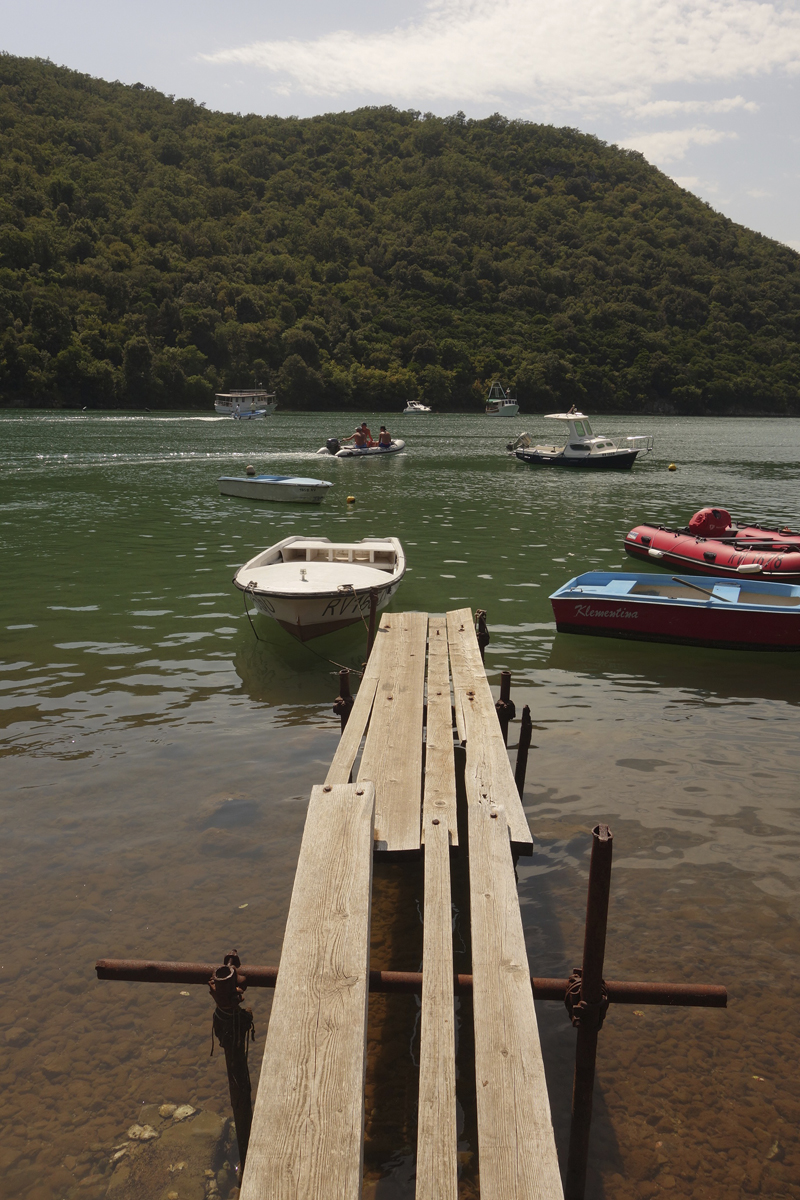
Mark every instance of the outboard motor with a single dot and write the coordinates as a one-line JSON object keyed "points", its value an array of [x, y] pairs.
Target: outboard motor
{"points": [[332, 446], [520, 443], [710, 522]]}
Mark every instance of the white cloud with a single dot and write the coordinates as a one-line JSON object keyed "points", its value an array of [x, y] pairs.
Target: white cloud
{"points": [[668, 108], [759, 194], [567, 53], [668, 145]]}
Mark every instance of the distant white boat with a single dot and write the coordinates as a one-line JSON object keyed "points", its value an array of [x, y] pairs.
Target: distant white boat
{"points": [[499, 404], [312, 586], [293, 489], [414, 406], [247, 404]]}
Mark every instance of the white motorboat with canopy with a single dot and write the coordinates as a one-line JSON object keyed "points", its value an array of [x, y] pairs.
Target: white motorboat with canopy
{"points": [[416, 406], [312, 586], [246, 405], [582, 448]]}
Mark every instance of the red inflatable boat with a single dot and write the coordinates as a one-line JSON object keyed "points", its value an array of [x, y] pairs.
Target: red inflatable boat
{"points": [[711, 544]]}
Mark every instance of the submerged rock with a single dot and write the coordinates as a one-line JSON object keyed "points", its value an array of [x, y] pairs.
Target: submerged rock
{"points": [[188, 1156]]}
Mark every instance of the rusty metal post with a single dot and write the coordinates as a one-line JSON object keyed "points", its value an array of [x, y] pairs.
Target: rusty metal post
{"points": [[587, 1001], [373, 613], [524, 745], [506, 710], [482, 632], [344, 702], [233, 1027]]}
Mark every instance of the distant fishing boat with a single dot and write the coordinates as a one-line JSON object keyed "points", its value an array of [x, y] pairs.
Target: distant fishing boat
{"points": [[582, 449], [499, 403], [312, 586], [748, 614], [246, 405], [292, 489]]}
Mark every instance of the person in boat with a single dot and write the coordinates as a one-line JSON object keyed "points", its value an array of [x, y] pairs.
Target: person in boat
{"points": [[367, 432], [384, 438], [357, 437]]}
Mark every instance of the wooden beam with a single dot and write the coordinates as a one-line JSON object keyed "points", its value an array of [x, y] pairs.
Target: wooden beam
{"points": [[488, 765], [392, 757], [307, 1138], [437, 1158], [439, 796], [350, 741], [516, 1146]]}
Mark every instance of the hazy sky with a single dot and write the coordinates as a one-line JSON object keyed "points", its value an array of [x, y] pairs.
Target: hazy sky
{"points": [[708, 90]]}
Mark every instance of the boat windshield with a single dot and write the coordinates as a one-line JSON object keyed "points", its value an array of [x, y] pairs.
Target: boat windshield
{"points": [[579, 429]]}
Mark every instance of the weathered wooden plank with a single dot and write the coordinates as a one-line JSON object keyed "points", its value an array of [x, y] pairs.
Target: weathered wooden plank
{"points": [[488, 765], [439, 795], [308, 1123], [350, 741], [437, 1159], [392, 757], [516, 1146]]}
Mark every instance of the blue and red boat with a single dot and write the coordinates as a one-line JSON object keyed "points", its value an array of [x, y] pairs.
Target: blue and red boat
{"points": [[745, 614]]}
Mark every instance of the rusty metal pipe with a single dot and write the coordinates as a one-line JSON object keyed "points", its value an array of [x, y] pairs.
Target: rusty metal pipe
{"points": [[588, 1014], [142, 970], [343, 704], [504, 707]]}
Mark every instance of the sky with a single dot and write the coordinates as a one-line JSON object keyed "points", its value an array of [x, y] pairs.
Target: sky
{"points": [[709, 91]]}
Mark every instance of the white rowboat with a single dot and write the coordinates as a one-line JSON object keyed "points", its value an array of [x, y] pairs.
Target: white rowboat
{"points": [[293, 489], [313, 586]]}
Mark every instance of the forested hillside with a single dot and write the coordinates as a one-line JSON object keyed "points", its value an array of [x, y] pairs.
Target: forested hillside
{"points": [[152, 253]]}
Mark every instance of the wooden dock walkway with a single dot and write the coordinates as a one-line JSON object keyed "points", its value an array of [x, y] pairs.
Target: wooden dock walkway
{"points": [[308, 1123]]}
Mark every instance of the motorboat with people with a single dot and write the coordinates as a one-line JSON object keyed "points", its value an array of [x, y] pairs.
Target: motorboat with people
{"points": [[714, 544], [748, 614], [246, 405], [312, 586], [334, 447], [291, 489], [582, 447], [499, 403], [416, 406]]}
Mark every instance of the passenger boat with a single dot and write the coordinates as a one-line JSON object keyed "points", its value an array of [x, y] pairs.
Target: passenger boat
{"points": [[584, 449], [312, 586], [414, 406], [499, 403], [293, 489], [334, 446], [712, 544], [746, 615], [246, 405]]}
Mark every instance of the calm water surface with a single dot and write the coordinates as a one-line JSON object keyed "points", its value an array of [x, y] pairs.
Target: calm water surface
{"points": [[157, 761]]}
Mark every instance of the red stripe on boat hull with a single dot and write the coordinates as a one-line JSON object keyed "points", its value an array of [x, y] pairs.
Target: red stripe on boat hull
{"points": [[721, 628]]}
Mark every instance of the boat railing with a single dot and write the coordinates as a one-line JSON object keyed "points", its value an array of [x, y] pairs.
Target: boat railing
{"points": [[642, 442]]}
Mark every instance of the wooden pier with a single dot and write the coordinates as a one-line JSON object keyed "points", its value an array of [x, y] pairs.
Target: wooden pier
{"points": [[425, 740], [307, 1134]]}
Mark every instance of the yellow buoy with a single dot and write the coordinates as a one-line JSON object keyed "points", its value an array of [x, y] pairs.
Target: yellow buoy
{"points": [[351, 499], [672, 467]]}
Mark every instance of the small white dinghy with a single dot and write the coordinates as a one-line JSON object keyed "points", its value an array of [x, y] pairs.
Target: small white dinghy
{"points": [[292, 489], [312, 586]]}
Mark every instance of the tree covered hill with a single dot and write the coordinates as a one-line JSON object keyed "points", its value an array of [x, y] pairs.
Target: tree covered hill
{"points": [[153, 252]]}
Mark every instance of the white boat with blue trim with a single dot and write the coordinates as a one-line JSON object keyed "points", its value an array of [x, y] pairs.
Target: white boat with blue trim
{"points": [[291, 489]]}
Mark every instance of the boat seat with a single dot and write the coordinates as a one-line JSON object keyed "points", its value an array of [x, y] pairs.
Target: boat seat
{"points": [[727, 591], [376, 555], [619, 587]]}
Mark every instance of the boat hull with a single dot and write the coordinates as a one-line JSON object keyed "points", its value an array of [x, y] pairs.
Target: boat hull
{"points": [[674, 550], [307, 617], [622, 460], [508, 410], [367, 451], [634, 622], [276, 491]]}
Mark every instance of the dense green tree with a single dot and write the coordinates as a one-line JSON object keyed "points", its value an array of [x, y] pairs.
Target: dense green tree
{"points": [[152, 253]]}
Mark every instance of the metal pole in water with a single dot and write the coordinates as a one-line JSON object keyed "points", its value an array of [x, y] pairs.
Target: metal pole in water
{"points": [[343, 704], [506, 710], [525, 734], [373, 613], [233, 1027], [588, 1010]]}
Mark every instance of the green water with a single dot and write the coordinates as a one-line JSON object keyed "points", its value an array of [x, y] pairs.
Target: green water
{"points": [[157, 760]]}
